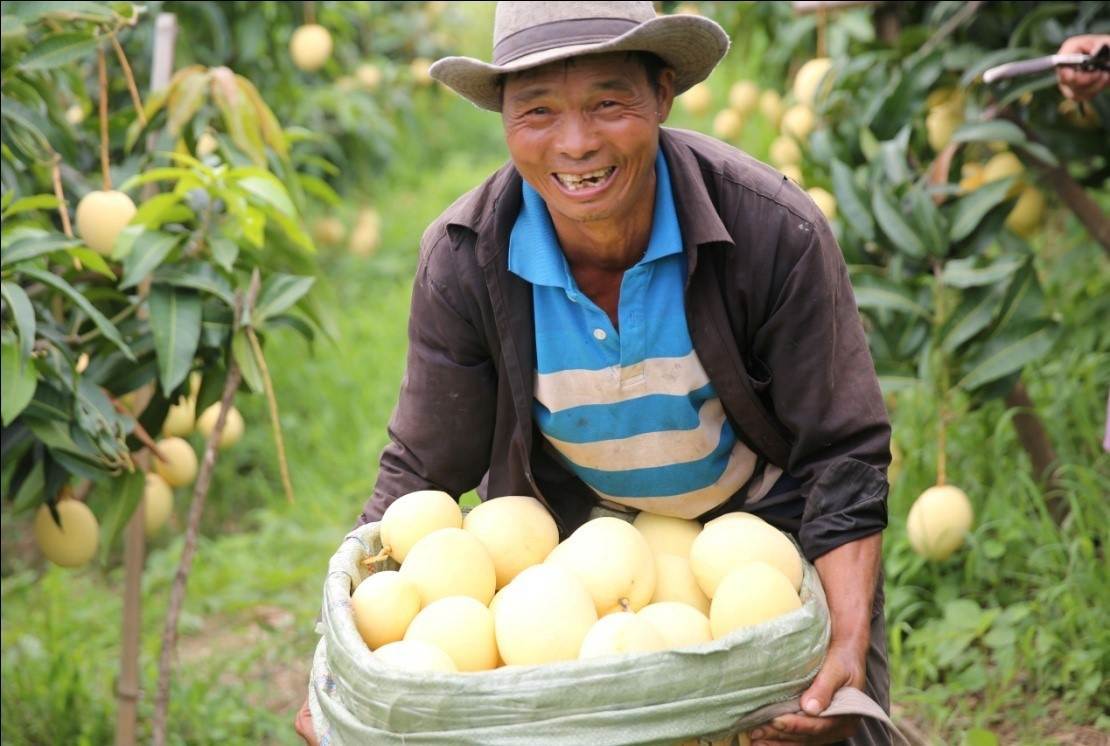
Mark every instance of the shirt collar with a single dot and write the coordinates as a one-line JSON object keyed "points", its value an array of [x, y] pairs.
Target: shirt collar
{"points": [[534, 251]]}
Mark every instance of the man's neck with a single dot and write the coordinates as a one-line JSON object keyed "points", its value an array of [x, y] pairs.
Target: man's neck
{"points": [[607, 245]]}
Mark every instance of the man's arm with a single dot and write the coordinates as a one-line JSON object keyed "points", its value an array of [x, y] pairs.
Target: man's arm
{"points": [[441, 429], [848, 574]]}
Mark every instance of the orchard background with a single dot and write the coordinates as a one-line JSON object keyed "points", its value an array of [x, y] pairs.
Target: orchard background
{"points": [[972, 216]]}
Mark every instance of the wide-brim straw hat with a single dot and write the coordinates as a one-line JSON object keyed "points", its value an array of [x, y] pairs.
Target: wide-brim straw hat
{"points": [[530, 34]]}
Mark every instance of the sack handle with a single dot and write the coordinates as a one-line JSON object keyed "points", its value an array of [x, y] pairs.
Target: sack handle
{"points": [[847, 701]]}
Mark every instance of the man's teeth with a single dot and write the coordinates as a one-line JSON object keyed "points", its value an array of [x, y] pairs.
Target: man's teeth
{"points": [[581, 181]]}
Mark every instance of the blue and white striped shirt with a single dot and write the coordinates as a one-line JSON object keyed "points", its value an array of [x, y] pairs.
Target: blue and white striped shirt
{"points": [[633, 413]]}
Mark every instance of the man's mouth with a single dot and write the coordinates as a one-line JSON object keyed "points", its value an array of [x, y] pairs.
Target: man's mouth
{"points": [[580, 182]]}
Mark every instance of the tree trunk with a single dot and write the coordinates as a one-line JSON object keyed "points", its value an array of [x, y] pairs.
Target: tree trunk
{"points": [[1034, 439]]}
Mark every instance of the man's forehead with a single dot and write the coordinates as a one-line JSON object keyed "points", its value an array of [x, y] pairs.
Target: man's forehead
{"points": [[611, 66]]}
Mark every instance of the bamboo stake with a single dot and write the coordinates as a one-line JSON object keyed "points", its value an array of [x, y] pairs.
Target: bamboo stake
{"points": [[196, 510], [128, 691]]}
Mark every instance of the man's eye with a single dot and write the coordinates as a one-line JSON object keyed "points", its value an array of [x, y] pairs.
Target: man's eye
{"points": [[539, 111], [607, 104]]}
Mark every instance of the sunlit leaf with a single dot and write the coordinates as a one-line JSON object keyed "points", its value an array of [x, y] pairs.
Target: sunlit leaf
{"points": [[34, 202]]}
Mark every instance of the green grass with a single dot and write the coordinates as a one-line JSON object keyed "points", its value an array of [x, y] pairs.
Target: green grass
{"points": [[1008, 636]]}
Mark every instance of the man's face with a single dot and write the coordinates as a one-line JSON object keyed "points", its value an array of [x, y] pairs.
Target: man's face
{"points": [[584, 133]]}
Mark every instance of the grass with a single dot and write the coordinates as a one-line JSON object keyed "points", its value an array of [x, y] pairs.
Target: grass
{"points": [[1007, 638]]}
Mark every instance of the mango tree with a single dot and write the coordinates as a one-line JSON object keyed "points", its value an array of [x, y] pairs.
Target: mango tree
{"points": [[939, 190], [139, 270]]}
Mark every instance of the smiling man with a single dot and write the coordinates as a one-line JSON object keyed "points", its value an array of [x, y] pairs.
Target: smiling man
{"points": [[644, 318]]}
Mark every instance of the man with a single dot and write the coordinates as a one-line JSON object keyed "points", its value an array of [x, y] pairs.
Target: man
{"points": [[646, 319]]}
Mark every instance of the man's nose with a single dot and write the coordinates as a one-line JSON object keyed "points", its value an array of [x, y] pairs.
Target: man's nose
{"points": [[578, 139]]}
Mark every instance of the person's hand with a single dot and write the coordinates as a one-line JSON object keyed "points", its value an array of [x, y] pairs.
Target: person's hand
{"points": [[844, 666], [1081, 85], [303, 725]]}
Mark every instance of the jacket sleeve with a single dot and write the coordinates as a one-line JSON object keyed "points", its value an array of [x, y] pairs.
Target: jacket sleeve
{"points": [[441, 428], [824, 389]]}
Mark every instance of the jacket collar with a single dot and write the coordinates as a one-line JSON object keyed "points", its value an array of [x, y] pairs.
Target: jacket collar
{"points": [[491, 210]]}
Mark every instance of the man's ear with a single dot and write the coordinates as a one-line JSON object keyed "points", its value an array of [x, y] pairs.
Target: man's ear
{"points": [[665, 93]]}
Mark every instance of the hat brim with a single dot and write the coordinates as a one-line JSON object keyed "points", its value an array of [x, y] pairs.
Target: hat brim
{"points": [[691, 45]]}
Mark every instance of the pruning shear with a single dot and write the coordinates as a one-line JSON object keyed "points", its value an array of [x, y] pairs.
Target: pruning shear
{"points": [[1100, 60]]}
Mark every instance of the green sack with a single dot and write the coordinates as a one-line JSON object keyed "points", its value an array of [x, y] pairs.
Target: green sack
{"points": [[709, 690]]}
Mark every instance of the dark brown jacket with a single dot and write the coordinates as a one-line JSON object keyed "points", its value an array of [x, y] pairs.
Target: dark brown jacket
{"points": [[771, 314]]}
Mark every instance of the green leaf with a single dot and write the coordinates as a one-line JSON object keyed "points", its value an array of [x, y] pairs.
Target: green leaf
{"points": [[198, 277], [63, 10], [224, 252], [995, 129], [159, 209], [20, 382], [278, 293], [91, 260], [23, 313], [269, 191], [894, 226], [890, 300], [33, 247], [58, 50], [890, 384], [129, 490], [34, 202], [106, 327], [1009, 359], [320, 189], [929, 221], [962, 273], [1040, 152], [980, 737], [850, 202], [970, 209], [244, 356], [175, 324], [971, 320], [166, 173], [185, 101], [11, 28], [148, 252]]}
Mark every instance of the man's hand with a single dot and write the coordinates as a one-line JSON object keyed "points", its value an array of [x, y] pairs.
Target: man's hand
{"points": [[848, 575], [844, 665], [303, 724], [1081, 85]]}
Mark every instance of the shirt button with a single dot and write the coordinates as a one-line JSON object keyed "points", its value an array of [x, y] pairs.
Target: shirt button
{"points": [[599, 334]]}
